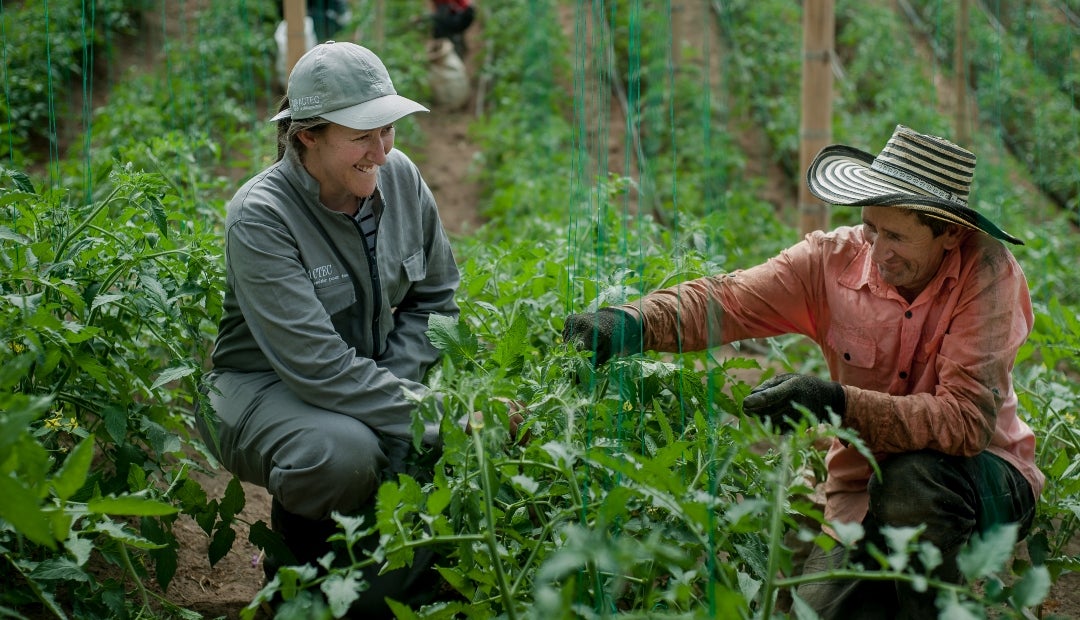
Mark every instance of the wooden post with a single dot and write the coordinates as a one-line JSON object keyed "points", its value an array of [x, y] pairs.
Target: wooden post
{"points": [[296, 42], [815, 132], [380, 24], [962, 122]]}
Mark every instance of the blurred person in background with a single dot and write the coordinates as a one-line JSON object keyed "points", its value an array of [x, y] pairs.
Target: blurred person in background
{"points": [[919, 312], [327, 16], [335, 258], [450, 19]]}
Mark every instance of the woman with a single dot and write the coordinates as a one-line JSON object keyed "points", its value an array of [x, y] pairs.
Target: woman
{"points": [[335, 258]]}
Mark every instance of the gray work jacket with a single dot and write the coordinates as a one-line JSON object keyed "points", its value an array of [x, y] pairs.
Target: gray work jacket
{"points": [[342, 336]]}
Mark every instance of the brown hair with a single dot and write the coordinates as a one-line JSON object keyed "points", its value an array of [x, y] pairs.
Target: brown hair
{"points": [[937, 226], [288, 130]]}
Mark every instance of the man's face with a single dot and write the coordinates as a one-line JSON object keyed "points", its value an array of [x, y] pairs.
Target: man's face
{"points": [[904, 250]]}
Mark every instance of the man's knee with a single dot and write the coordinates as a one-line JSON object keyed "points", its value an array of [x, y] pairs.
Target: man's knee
{"points": [[925, 488]]}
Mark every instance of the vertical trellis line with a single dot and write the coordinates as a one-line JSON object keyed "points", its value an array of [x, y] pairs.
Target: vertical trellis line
{"points": [[53, 134], [7, 85], [87, 95]]}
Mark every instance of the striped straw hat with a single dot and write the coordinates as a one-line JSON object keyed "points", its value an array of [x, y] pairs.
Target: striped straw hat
{"points": [[914, 171]]}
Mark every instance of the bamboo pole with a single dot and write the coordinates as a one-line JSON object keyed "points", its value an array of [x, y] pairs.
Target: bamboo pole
{"points": [[815, 132], [296, 41], [962, 120]]}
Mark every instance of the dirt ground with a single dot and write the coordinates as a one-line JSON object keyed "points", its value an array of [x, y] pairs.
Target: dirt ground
{"points": [[223, 590]]}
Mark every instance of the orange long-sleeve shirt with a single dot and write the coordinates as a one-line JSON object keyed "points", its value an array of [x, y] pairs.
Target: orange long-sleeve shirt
{"points": [[931, 374]]}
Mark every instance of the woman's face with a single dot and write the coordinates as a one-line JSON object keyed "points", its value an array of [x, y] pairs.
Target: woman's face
{"points": [[346, 162]]}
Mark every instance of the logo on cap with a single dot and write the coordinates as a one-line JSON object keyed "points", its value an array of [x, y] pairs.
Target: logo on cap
{"points": [[304, 103]]}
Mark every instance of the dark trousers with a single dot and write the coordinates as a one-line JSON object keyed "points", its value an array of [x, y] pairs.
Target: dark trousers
{"points": [[448, 22], [955, 497]]}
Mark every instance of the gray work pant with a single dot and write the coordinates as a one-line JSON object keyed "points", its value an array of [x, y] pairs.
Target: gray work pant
{"points": [[953, 496], [314, 461]]}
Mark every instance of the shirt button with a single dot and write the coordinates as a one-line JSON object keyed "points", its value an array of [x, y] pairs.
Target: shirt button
{"points": [[903, 374], [907, 315]]}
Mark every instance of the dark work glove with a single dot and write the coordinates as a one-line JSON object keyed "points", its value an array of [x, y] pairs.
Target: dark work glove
{"points": [[607, 332], [773, 399]]}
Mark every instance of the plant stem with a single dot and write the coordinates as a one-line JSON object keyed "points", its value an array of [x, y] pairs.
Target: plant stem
{"points": [[492, 541], [86, 222], [775, 526], [130, 569]]}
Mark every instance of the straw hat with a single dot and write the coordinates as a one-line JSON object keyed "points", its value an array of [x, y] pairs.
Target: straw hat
{"points": [[915, 171]]}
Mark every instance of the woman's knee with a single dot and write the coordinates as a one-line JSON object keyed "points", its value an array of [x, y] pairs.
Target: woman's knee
{"points": [[324, 470]]}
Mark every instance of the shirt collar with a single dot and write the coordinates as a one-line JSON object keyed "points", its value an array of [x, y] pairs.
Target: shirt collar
{"points": [[861, 272]]}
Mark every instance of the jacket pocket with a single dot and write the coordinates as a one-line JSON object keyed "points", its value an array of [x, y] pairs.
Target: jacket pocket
{"points": [[415, 266], [852, 347], [336, 296]]}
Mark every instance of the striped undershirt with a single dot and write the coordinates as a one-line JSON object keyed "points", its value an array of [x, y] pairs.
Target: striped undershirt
{"points": [[366, 217]]}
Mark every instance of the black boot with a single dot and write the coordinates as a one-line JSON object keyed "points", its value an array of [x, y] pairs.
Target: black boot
{"points": [[305, 540]]}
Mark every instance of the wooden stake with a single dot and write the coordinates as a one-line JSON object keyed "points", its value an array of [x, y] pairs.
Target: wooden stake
{"points": [[296, 42], [815, 132], [380, 24], [962, 125]]}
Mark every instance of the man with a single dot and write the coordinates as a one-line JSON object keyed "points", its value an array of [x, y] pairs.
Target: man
{"points": [[335, 258], [919, 313]]}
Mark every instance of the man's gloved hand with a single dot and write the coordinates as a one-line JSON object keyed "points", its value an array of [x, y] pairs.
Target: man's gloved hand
{"points": [[607, 332], [773, 399]]}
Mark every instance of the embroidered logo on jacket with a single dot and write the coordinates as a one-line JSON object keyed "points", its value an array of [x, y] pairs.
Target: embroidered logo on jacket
{"points": [[323, 274]]}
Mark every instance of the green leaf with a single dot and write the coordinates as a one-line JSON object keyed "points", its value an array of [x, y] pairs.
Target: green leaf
{"points": [[121, 534], [453, 338], [165, 559], [15, 370], [116, 420], [158, 214], [438, 499], [342, 591], [234, 500], [1032, 587], [130, 505], [20, 507], [59, 569], [16, 414], [510, 350], [6, 233], [172, 374], [79, 548], [101, 300], [987, 553], [20, 179], [72, 474], [270, 542], [221, 542]]}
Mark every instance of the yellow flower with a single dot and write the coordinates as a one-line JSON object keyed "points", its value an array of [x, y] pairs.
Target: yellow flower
{"points": [[55, 421], [60, 423]]}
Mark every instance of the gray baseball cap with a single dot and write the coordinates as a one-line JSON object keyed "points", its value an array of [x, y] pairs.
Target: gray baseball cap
{"points": [[346, 84]]}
